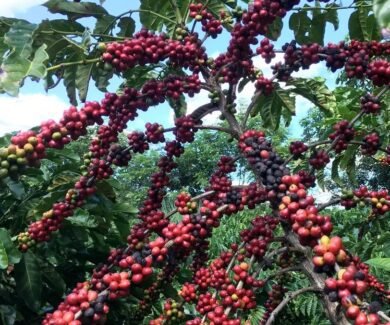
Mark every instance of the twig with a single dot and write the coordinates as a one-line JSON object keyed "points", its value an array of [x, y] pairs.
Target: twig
{"points": [[382, 315], [328, 204], [289, 296], [330, 8], [66, 64]]}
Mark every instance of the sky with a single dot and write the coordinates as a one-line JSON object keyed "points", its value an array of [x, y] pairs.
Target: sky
{"points": [[33, 105]]}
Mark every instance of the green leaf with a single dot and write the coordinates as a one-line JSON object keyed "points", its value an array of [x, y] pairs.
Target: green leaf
{"points": [[170, 291], [16, 65], [14, 255], [8, 315], [316, 91], [241, 85], [382, 12], [331, 15], [152, 21], [275, 29], [16, 68], [20, 37], [270, 107], [320, 175], [75, 10], [300, 23], [83, 219], [127, 26], [380, 263], [3, 257], [16, 188], [104, 24], [317, 30], [373, 28], [83, 76], [179, 106], [37, 67], [102, 77], [70, 83], [362, 26], [28, 281], [106, 188], [54, 280], [335, 171], [137, 76]]}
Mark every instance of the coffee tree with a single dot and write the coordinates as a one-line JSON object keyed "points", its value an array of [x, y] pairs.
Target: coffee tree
{"points": [[164, 273]]}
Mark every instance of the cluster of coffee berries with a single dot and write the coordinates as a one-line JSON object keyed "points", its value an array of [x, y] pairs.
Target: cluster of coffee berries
{"points": [[297, 148], [379, 200], [266, 50], [238, 298], [76, 122], [370, 104], [297, 207], [25, 150], [379, 72], [259, 153], [82, 306], [236, 62], [328, 252], [154, 132], [275, 297], [371, 144], [343, 133], [184, 203], [355, 57], [307, 179], [146, 47], [137, 142], [264, 85], [210, 25], [118, 155], [54, 134], [185, 129], [319, 159], [173, 312], [259, 235], [349, 200], [349, 288]]}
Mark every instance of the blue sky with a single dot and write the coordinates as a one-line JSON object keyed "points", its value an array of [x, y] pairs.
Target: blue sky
{"points": [[34, 106]]}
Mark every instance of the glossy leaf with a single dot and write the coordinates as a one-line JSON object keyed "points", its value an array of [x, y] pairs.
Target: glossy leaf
{"points": [[382, 12], [316, 91], [275, 29], [127, 26], [362, 25], [29, 281], [75, 10], [14, 255], [270, 107], [7, 314], [104, 24], [317, 30], [83, 76], [54, 280], [3, 257], [70, 83], [20, 37], [299, 23], [380, 263]]}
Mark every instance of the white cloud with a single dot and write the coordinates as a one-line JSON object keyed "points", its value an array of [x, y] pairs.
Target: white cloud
{"points": [[11, 7], [28, 110]]}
